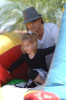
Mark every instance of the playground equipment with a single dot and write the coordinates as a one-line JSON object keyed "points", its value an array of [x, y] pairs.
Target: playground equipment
{"points": [[56, 79], [40, 95], [10, 51]]}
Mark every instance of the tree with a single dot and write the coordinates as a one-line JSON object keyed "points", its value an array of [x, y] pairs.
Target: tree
{"points": [[11, 17]]}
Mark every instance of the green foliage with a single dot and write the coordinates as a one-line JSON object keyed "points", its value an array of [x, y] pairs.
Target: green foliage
{"points": [[11, 17]]}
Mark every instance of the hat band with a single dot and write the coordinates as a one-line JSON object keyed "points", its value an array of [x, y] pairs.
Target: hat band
{"points": [[29, 20]]}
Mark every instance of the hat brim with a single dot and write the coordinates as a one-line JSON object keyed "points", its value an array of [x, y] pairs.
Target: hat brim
{"points": [[30, 20]]}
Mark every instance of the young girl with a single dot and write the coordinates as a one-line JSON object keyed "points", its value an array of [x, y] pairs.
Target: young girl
{"points": [[35, 58]]}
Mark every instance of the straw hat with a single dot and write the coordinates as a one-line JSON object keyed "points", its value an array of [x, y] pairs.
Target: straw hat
{"points": [[30, 14]]}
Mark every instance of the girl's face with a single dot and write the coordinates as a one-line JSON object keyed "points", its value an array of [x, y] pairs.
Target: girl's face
{"points": [[28, 47]]}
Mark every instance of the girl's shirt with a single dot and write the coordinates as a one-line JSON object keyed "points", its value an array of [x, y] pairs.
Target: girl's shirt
{"points": [[38, 61]]}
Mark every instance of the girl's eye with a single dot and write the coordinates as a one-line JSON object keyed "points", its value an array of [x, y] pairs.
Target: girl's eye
{"points": [[26, 46]]}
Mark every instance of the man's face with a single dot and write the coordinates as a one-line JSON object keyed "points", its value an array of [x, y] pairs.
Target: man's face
{"points": [[34, 25]]}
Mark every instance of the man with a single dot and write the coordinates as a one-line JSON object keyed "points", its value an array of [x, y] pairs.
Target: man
{"points": [[47, 32]]}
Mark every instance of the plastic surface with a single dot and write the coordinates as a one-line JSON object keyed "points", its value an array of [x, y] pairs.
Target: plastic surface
{"points": [[4, 75], [15, 81], [56, 79], [40, 95], [10, 51]]}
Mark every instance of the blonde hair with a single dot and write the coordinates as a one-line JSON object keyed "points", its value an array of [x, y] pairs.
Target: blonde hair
{"points": [[31, 38]]}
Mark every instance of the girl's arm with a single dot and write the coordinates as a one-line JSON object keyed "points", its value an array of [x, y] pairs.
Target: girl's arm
{"points": [[16, 64]]}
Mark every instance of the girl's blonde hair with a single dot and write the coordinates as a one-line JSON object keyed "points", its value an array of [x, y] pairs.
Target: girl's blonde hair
{"points": [[31, 38]]}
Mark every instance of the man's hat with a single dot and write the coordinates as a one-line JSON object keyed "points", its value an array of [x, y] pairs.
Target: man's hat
{"points": [[30, 14]]}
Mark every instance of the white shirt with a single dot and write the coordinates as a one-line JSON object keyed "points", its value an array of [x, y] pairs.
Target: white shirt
{"points": [[49, 39]]}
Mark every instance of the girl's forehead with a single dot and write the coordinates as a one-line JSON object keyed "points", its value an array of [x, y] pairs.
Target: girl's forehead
{"points": [[26, 42]]}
